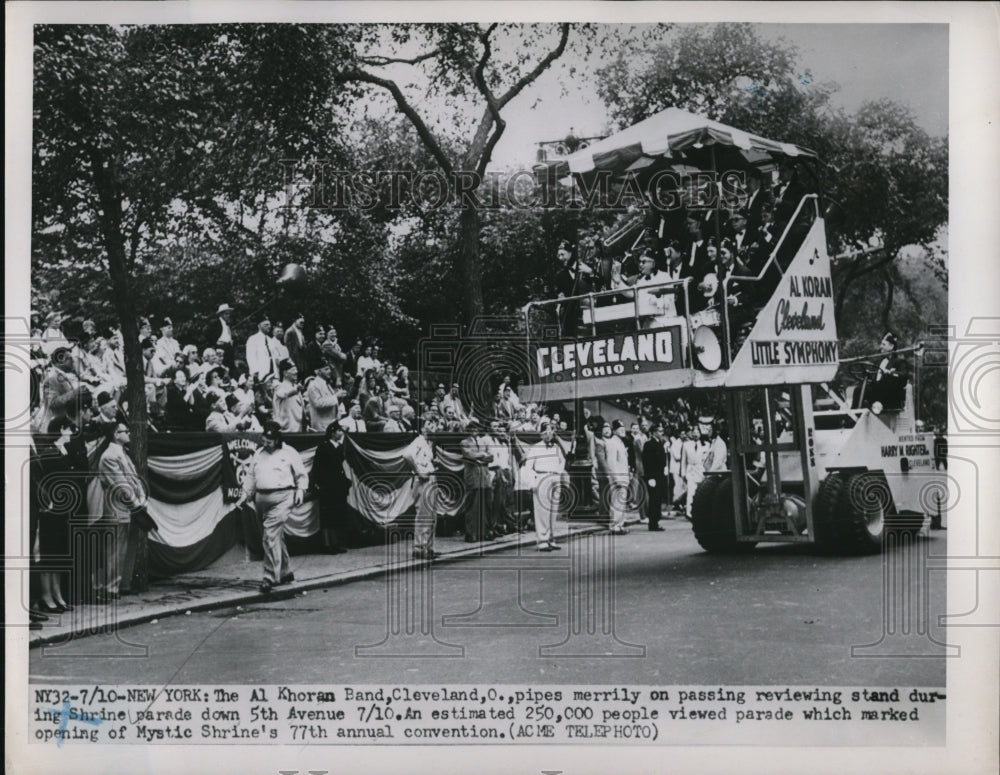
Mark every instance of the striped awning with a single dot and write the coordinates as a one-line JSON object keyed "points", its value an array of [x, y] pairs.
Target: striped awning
{"points": [[664, 134]]}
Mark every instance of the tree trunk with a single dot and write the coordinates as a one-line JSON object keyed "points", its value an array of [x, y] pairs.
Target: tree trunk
{"points": [[471, 269], [135, 574]]}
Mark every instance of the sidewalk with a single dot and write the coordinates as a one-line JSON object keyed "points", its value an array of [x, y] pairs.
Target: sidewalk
{"points": [[236, 582]]}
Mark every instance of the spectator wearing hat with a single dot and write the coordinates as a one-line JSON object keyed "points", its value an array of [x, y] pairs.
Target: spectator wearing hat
{"points": [[295, 343], [546, 468], [324, 403], [261, 356], [618, 477], [288, 407], [276, 482], [476, 459], [108, 415], [219, 335], [395, 423], [354, 423], [59, 382]]}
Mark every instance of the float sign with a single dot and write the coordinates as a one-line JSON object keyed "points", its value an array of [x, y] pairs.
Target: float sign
{"points": [[611, 355], [794, 339]]}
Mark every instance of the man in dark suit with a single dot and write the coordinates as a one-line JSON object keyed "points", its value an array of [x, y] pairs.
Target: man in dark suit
{"points": [[572, 279], [219, 335], [476, 459], [654, 463], [295, 342], [788, 192], [694, 257], [757, 198]]}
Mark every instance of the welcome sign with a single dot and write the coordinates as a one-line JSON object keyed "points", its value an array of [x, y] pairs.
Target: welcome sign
{"points": [[794, 339], [610, 355]]}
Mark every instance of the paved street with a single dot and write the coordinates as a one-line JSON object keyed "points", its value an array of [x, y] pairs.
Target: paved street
{"points": [[782, 615]]}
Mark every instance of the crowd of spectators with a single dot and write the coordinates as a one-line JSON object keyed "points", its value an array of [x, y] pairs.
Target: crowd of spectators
{"points": [[300, 376]]}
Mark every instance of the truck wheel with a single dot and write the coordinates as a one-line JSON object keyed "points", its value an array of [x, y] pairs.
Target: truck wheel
{"points": [[713, 519], [852, 513]]}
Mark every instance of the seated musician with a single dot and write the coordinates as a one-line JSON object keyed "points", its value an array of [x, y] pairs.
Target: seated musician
{"points": [[653, 295]]}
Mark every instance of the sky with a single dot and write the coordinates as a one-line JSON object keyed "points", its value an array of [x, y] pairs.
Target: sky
{"points": [[904, 62]]}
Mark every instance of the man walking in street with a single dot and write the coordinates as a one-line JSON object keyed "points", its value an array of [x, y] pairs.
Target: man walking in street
{"points": [[618, 474], [547, 462], [654, 461], [277, 481], [420, 457]]}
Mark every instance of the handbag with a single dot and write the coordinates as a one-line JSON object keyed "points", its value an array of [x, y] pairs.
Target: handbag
{"points": [[141, 519]]}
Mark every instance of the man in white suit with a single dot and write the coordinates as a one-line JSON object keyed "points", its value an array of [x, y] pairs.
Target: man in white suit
{"points": [[262, 357], [547, 463], [618, 474]]}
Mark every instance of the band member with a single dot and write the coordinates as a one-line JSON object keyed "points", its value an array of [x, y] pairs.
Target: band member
{"points": [[573, 278], [547, 462], [420, 457], [654, 459], [277, 481]]}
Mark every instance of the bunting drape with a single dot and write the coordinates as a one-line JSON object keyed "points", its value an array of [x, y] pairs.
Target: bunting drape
{"points": [[196, 521]]}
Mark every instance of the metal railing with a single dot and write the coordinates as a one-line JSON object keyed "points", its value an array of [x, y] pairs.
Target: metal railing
{"points": [[638, 294]]}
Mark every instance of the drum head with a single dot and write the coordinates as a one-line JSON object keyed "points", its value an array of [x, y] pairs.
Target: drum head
{"points": [[707, 350]]}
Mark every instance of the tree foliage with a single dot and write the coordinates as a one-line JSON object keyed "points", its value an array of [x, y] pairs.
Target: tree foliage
{"points": [[887, 175]]}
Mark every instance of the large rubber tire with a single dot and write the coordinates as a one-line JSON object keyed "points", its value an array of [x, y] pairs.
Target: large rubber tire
{"points": [[713, 519], [852, 512]]}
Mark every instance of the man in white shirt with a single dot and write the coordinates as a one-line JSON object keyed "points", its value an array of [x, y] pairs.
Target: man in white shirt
{"points": [[547, 464], [353, 422], [277, 481], [618, 476], [420, 457], [277, 343], [220, 335], [262, 359], [324, 403]]}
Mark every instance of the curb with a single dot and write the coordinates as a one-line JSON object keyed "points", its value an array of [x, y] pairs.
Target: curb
{"points": [[80, 630]]}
